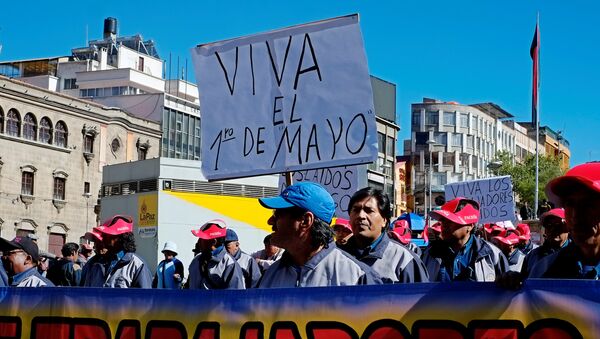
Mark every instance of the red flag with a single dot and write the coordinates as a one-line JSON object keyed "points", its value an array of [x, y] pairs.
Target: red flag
{"points": [[535, 56]]}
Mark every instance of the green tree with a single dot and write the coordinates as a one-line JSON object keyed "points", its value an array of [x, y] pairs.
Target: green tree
{"points": [[523, 174]]}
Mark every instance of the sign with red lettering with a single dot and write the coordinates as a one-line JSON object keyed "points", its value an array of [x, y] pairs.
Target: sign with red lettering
{"points": [[542, 309]]}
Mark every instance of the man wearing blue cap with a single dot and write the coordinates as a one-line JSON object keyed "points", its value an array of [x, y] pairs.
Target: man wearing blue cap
{"points": [[301, 218], [249, 265]]}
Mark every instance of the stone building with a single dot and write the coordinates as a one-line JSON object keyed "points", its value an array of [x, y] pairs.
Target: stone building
{"points": [[52, 150]]}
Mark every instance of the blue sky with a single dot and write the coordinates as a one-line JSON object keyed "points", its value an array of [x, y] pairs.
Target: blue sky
{"points": [[465, 51]]}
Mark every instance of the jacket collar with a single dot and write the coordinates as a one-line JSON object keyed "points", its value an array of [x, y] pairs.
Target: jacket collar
{"points": [[16, 279], [286, 259], [375, 250], [482, 249]]}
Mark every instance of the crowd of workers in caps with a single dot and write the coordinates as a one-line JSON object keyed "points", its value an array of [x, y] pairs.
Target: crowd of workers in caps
{"points": [[309, 247]]}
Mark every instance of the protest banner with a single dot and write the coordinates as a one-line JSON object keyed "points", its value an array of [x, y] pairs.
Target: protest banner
{"points": [[494, 195], [292, 99], [340, 182], [541, 309]]}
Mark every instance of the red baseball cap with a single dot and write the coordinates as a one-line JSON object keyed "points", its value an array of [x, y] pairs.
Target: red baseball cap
{"points": [[345, 223], [437, 227], [587, 174], [94, 235], [116, 225], [213, 229], [468, 214], [524, 232], [493, 228], [555, 212], [508, 237], [401, 232]]}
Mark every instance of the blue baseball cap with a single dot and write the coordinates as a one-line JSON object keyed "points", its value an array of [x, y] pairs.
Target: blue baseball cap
{"points": [[231, 235], [308, 195]]}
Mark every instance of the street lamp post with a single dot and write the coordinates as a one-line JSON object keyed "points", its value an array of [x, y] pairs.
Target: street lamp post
{"points": [[87, 210], [494, 166]]}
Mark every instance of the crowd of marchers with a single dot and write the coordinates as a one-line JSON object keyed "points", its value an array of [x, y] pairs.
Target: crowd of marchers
{"points": [[309, 247]]}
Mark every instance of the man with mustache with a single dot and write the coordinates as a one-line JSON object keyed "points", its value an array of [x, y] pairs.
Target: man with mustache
{"points": [[370, 214]]}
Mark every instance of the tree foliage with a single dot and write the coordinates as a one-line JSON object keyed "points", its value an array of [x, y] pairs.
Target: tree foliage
{"points": [[523, 174]]}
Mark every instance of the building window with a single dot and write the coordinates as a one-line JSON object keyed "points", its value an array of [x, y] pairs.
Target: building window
{"points": [[142, 148], [88, 143], [27, 183], [1, 121], [70, 83], [179, 134], [416, 118], [60, 134], [470, 141], [13, 123], [23, 233], [440, 138], [55, 243], [438, 179], [474, 123], [456, 139], [389, 146], [381, 142], [448, 158], [29, 127], [115, 145], [449, 119], [197, 145], [140, 64], [464, 120], [46, 131], [432, 118], [59, 188], [86, 188]]}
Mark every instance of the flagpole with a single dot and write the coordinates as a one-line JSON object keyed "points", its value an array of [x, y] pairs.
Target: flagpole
{"points": [[537, 121]]}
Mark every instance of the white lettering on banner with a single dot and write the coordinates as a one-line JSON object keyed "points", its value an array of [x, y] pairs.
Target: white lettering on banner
{"points": [[494, 195], [340, 182], [293, 99]]}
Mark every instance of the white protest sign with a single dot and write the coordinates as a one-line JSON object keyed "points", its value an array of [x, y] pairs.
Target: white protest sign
{"points": [[494, 195], [340, 182], [293, 99]]}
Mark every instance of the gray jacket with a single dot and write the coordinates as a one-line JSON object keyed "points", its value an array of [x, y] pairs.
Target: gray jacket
{"points": [[515, 261], [250, 268], [30, 278], [129, 271], [392, 261], [487, 261], [329, 267], [220, 271]]}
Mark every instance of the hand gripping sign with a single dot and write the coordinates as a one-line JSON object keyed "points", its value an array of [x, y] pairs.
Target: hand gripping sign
{"points": [[292, 99]]}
